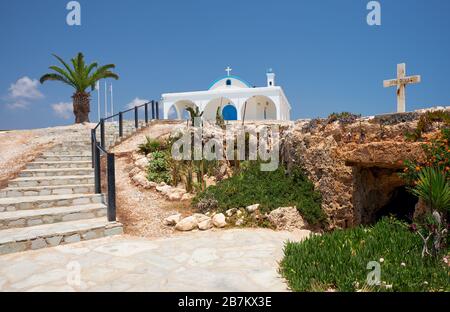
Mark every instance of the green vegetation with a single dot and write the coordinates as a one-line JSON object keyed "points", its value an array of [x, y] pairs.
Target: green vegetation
{"points": [[271, 190], [433, 187], [158, 167], [339, 260], [81, 76], [150, 146], [219, 118], [425, 122], [344, 117]]}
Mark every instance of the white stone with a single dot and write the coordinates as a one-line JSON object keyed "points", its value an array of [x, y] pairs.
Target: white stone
{"points": [[252, 208], [172, 220], [200, 217], [205, 224], [141, 163], [231, 212], [219, 220], [187, 224], [187, 196]]}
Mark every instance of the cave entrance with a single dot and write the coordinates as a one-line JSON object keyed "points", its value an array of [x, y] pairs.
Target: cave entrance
{"points": [[401, 205], [380, 192]]}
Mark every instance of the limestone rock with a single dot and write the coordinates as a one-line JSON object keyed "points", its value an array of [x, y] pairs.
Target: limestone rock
{"points": [[200, 217], [252, 208], [141, 163], [286, 218], [231, 212], [141, 180], [163, 188], [219, 220], [205, 224], [172, 220], [187, 196], [187, 224]]}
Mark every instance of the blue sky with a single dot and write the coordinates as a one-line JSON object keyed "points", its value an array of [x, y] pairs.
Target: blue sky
{"points": [[325, 55]]}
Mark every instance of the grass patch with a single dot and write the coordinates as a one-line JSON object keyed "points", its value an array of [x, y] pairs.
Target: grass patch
{"points": [[269, 189], [339, 259]]}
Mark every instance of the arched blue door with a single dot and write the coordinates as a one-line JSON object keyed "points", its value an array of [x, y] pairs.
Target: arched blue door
{"points": [[229, 112]]}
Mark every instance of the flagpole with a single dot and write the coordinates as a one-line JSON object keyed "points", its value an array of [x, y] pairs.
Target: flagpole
{"points": [[106, 100], [97, 86], [112, 101]]}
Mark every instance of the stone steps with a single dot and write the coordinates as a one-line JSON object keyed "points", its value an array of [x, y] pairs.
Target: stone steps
{"points": [[24, 218], [69, 152], [47, 201], [47, 190], [55, 172], [53, 200], [56, 158], [48, 235], [51, 181], [60, 164]]}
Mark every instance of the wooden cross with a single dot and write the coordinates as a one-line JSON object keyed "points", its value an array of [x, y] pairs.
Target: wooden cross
{"points": [[401, 83], [228, 70]]}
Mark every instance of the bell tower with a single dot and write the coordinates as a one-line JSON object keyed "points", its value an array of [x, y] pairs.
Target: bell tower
{"points": [[270, 78]]}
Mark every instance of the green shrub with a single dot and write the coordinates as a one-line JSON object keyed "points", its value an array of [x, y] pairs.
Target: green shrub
{"points": [[344, 117], [271, 190], [339, 260], [150, 146], [433, 187], [425, 122], [158, 168]]}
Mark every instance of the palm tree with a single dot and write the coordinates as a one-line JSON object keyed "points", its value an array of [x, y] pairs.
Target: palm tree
{"points": [[80, 77]]}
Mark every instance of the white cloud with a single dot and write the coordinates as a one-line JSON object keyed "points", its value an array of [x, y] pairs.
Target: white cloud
{"points": [[136, 102], [23, 92], [63, 109]]}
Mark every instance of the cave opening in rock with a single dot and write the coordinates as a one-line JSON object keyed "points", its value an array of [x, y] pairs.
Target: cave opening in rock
{"points": [[401, 205], [379, 192]]}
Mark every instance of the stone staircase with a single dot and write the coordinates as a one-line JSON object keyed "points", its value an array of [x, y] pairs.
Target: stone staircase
{"points": [[52, 201]]}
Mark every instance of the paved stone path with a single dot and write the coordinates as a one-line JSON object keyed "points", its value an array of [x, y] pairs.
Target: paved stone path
{"points": [[232, 260]]}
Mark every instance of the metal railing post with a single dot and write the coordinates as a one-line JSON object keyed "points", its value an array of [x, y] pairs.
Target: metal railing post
{"points": [[102, 132], [146, 113], [121, 124], [157, 109], [136, 117], [153, 109], [97, 178], [93, 146], [111, 188]]}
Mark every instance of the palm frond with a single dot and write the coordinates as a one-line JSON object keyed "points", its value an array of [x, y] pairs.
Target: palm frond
{"points": [[55, 77]]}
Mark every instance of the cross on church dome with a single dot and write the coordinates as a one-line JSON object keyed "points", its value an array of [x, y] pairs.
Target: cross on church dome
{"points": [[228, 70]]}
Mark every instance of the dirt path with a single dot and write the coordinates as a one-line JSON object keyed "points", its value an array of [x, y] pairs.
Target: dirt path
{"points": [[142, 211]]}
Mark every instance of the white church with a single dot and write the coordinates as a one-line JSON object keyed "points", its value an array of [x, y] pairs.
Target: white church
{"points": [[236, 98]]}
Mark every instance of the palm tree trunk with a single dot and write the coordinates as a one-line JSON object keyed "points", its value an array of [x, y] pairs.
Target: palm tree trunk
{"points": [[81, 106]]}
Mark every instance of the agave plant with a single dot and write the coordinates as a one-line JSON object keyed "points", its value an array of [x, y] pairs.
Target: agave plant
{"points": [[433, 187], [80, 77]]}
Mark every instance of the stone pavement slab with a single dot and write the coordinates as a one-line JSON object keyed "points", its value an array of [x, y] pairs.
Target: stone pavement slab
{"points": [[231, 260]]}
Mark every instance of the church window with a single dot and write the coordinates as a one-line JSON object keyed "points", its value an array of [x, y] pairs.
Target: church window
{"points": [[228, 82]]}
